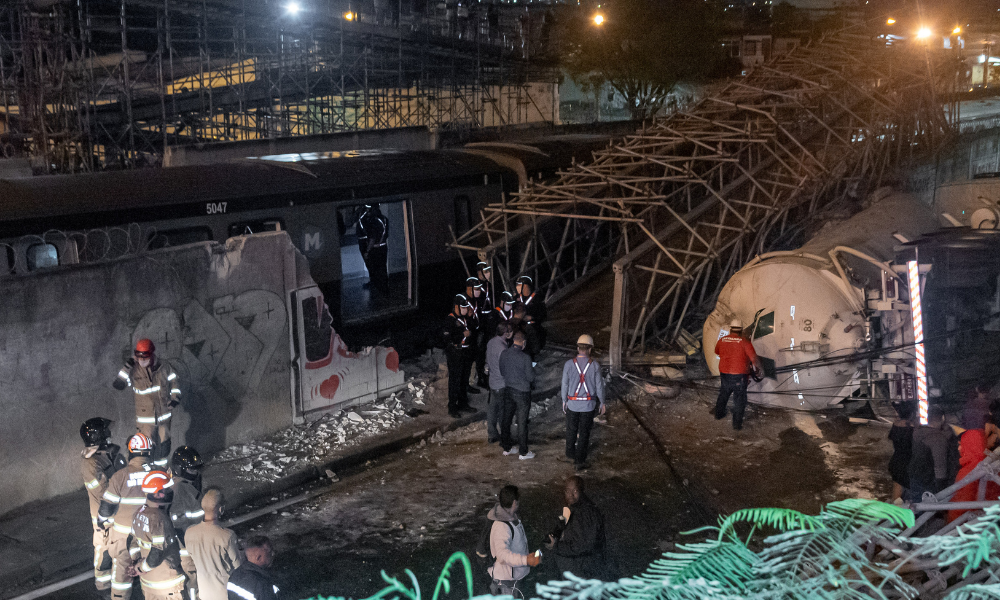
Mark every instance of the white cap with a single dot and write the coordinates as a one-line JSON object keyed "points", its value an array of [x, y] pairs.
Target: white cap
{"points": [[585, 339], [736, 323]]}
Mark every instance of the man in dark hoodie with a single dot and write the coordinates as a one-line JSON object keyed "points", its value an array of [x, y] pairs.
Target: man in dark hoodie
{"points": [[509, 544], [934, 457], [579, 543], [252, 580]]}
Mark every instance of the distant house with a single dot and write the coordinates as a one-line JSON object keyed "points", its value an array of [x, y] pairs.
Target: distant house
{"points": [[753, 50]]}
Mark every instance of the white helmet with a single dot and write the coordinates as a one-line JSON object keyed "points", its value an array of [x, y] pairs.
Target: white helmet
{"points": [[736, 323], [585, 339]]}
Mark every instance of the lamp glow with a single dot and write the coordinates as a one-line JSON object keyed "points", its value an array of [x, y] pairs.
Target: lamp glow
{"points": [[293, 8], [956, 31], [923, 33], [916, 315], [598, 19], [349, 16], [890, 21]]}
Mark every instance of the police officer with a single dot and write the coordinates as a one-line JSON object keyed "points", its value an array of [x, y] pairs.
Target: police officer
{"points": [[736, 358], [484, 272], [457, 337], [157, 392], [373, 235], [185, 511], [525, 296], [504, 311], [476, 293], [120, 502], [154, 540], [100, 461]]}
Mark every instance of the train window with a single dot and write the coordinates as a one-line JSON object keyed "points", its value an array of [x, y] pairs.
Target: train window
{"points": [[41, 256], [7, 267], [252, 227], [463, 214], [178, 237]]}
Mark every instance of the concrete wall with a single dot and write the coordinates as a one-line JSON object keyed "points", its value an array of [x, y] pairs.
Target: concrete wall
{"points": [[217, 314]]}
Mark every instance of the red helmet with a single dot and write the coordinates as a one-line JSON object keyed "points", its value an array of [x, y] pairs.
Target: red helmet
{"points": [[144, 347], [155, 482], [139, 444]]}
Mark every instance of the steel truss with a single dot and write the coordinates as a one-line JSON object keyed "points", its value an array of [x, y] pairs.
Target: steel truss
{"points": [[90, 84], [676, 208]]}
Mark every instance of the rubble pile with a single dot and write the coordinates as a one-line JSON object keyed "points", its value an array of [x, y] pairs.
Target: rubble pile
{"points": [[540, 408], [311, 442]]}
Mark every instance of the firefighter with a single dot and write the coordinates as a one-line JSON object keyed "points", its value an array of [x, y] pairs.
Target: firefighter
{"points": [[157, 392], [100, 461], [484, 272], [185, 511], [526, 297], [119, 504], [505, 310], [373, 235], [475, 291], [457, 337], [736, 359], [158, 560]]}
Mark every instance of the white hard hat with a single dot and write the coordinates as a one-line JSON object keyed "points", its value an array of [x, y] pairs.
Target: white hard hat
{"points": [[736, 323], [585, 339]]}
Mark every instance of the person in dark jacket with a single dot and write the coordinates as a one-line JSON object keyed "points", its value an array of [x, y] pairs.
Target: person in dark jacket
{"points": [[518, 376], [934, 461], [579, 544], [901, 436], [252, 580]]}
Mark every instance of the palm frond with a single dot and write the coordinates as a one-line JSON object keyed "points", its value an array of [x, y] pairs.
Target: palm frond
{"points": [[782, 519], [976, 592], [855, 512], [973, 544], [727, 563]]}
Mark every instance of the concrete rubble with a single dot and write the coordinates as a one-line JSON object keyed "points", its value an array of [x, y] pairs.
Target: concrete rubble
{"points": [[291, 448]]}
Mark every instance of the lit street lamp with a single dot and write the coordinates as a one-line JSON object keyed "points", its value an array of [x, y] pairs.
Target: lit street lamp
{"points": [[924, 33], [293, 8], [598, 19], [890, 21]]}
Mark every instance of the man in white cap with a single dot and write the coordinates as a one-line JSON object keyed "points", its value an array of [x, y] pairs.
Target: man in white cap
{"points": [[582, 399], [736, 358]]}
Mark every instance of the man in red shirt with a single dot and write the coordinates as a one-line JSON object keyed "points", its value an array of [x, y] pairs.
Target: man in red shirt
{"points": [[736, 358]]}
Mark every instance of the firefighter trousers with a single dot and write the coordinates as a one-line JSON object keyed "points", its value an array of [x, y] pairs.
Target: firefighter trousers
{"points": [[102, 559], [191, 584], [121, 561]]}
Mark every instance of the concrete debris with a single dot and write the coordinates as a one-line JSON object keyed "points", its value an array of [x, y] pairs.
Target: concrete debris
{"points": [[540, 408], [300, 445], [667, 373]]}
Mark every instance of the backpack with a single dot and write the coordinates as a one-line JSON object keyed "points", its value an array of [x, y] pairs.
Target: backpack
{"points": [[483, 552]]}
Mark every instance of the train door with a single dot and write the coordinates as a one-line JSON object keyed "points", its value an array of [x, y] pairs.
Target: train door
{"points": [[326, 373], [377, 260]]}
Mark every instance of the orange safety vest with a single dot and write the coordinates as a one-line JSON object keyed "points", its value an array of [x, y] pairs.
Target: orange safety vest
{"points": [[582, 384]]}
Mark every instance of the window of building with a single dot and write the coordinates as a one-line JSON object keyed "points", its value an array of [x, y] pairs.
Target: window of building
{"points": [[178, 237], [750, 47], [41, 256], [252, 227]]}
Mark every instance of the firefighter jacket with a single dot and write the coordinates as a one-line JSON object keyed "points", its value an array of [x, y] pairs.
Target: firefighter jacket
{"points": [[373, 229], [736, 354], [97, 467], [159, 560], [156, 389], [534, 307], [124, 495], [453, 333], [185, 510]]}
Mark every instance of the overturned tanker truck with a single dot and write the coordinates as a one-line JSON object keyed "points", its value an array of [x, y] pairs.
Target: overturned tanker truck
{"points": [[816, 314]]}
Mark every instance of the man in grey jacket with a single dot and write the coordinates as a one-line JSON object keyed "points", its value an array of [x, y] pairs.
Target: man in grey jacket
{"points": [[518, 375], [582, 398], [494, 410], [509, 544]]}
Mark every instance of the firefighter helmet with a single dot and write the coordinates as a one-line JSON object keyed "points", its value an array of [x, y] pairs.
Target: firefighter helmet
{"points": [[144, 348], [524, 279], [507, 298], [156, 486], [139, 444], [473, 282], [461, 300], [96, 431], [186, 462]]}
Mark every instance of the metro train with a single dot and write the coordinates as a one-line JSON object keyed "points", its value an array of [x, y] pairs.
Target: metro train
{"points": [[427, 197]]}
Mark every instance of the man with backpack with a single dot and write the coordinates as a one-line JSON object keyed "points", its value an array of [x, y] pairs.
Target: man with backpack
{"points": [[506, 544]]}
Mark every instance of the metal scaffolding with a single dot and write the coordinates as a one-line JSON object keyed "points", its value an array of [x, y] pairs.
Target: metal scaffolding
{"points": [[91, 84], [677, 207]]}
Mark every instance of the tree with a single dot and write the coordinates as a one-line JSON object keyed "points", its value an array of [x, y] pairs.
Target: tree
{"points": [[643, 48]]}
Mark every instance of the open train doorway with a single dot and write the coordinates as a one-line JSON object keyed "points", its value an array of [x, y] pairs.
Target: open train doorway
{"points": [[376, 258]]}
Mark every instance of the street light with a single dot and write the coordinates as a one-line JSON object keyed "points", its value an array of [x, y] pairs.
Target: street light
{"points": [[956, 31], [923, 33], [348, 16], [293, 8], [890, 21], [598, 19]]}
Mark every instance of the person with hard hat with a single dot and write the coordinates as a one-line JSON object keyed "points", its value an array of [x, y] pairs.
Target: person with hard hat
{"points": [[457, 338], [583, 399], [736, 359], [158, 560], [185, 511], [157, 391], [120, 502], [214, 549], [100, 461], [373, 236]]}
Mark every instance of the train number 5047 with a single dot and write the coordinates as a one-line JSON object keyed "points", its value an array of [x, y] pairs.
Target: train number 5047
{"points": [[215, 208]]}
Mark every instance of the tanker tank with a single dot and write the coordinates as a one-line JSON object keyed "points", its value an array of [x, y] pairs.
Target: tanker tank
{"points": [[809, 304]]}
